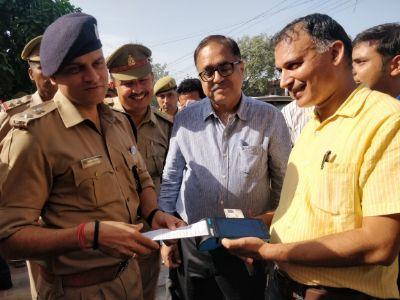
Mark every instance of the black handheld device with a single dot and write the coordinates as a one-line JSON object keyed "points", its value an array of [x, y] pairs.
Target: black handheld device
{"points": [[231, 228]]}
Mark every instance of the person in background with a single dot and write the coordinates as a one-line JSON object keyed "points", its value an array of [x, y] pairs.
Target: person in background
{"points": [[131, 72], [45, 87], [189, 91], [296, 118], [376, 58], [45, 91], [167, 97]]}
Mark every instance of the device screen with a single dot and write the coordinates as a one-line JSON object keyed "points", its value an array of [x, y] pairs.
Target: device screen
{"points": [[231, 227]]}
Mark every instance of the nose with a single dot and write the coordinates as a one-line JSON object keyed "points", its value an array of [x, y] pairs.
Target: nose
{"points": [[286, 80], [91, 75], [354, 71], [217, 77], [136, 88]]}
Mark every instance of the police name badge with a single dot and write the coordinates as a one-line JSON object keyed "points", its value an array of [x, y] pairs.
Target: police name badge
{"points": [[91, 161]]}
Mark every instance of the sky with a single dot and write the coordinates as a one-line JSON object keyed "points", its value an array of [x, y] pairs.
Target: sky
{"points": [[172, 29]]}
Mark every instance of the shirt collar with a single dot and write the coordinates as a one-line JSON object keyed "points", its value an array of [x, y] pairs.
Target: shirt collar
{"points": [[350, 107], [36, 99], [242, 111], [116, 104], [71, 116]]}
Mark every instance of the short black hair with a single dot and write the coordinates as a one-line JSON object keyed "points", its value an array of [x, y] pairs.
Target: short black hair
{"points": [[191, 85], [221, 39], [386, 36], [323, 30]]}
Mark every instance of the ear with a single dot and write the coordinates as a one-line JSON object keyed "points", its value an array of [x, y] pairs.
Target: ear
{"points": [[242, 65], [30, 73], [395, 66], [337, 52]]}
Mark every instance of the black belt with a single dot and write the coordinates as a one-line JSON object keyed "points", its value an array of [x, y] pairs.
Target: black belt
{"points": [[308, 292]]}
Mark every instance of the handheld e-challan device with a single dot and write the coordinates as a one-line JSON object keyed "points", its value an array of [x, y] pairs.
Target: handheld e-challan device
{"points": [[220, 228]]}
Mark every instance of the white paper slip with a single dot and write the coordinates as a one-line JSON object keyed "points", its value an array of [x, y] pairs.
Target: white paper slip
{"points": [[196, 229], [233, 213]]}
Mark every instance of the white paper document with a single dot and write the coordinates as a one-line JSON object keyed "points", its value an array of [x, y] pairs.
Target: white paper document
{"points": [[196, 229]]}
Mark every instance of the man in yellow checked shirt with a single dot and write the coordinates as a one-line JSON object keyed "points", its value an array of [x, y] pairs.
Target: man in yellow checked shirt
{"points": [[335, 233]]}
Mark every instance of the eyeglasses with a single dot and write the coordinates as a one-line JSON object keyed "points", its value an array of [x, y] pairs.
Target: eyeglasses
{"points": [[224, 69]]}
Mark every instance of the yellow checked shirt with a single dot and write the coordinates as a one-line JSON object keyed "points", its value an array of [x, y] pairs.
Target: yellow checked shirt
{"points": [[360, 178]]}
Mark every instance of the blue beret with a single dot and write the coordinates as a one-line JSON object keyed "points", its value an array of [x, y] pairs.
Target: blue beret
{"points": [[67, 38]]}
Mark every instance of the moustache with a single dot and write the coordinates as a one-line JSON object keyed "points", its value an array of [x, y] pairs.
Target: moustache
{"points": [[215, 87], [135, 95]]}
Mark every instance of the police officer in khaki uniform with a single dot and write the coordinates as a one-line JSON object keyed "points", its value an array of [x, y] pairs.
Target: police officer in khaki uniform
{"points": [[131, 72], [45, 88], [76, 164], [167, 97]]}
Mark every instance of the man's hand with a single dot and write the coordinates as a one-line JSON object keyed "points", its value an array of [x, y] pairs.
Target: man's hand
{"points": [[266, 218], [122, 240], [164, 220], [248, 249], [170, 256]]}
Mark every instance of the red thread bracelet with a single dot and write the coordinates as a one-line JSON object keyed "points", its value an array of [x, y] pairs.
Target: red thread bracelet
{"points": [[81, 235]]}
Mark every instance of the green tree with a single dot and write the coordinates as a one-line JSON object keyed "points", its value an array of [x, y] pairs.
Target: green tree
{"points": [[258, 53], [159, 70], [22, 20]]}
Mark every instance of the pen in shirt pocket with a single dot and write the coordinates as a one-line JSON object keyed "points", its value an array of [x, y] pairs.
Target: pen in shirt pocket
{"points": [[325, 158]]}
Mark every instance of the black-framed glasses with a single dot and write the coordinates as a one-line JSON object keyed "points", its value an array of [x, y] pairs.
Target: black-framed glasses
{"points": [[225, 69]]}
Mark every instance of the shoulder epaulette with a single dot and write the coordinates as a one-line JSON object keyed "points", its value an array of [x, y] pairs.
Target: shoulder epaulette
{"points": [[8, 105], [163, 115], [114, 104], [109, 101], [117, 109], [23, 119]]}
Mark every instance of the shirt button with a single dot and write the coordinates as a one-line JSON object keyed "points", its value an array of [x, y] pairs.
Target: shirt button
{"points": [[127, 199], [117, 169], [222, 202], [223, 176], [225, 155], [96, 174]]}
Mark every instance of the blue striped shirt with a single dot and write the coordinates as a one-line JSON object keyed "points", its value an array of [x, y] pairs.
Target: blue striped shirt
{"points": [[210, 166]]}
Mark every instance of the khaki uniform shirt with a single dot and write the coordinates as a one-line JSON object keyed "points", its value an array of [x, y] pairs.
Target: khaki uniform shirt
{"points": [[13, 107], [60, 167], [153, 139]]}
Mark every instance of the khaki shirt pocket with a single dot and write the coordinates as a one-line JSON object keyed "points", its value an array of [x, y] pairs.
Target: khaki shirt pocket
{"points": [[335, 189], [131, 160], [156, 153], [94, 184]]}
